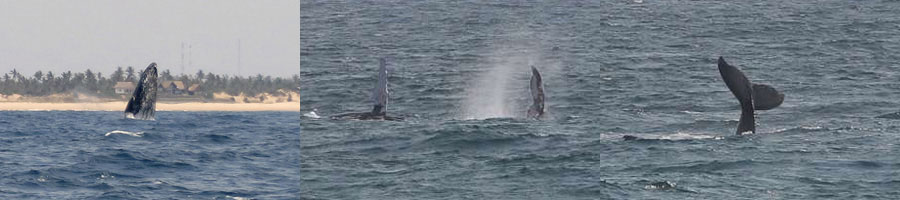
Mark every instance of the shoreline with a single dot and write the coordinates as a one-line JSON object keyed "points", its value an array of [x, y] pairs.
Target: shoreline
{"points": [[160, 106]]}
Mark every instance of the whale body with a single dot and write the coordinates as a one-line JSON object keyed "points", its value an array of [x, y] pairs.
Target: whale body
{"points": [[142, 104]]}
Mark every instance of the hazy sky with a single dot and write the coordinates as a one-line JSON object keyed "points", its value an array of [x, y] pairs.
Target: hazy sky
{"points": [[62, 35]]}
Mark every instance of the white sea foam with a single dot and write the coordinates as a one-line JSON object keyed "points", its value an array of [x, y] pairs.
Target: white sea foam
{"points": [[237, 198], [135, 134], [679, 136], [689, 136]]}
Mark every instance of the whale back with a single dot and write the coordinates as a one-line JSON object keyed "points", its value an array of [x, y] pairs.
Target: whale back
{"points": [[142, 104], [741, 88], [765, 97], [380, 92]]}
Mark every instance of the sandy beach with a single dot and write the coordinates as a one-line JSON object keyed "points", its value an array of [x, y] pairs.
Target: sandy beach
{"points": [[160, 106]]}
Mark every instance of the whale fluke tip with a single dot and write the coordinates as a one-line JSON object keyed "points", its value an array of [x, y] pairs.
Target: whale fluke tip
{"points": [[722, 62], [766, 97]]}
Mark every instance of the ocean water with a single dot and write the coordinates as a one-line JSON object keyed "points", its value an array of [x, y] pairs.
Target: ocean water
{"points": [[182, 155], [460, 71]]}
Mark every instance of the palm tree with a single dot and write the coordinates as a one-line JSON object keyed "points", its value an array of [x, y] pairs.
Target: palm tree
{"points": [[38, 76], [66, 81], [166, 76], [118, 75], [130, 72], [90, 80], [15, 75], [199, 76], [50, 82]]}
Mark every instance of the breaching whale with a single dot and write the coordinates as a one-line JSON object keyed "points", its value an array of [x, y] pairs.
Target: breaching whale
{"points": [[752, 96], [536, 110], [380, 97], [142, 104]]}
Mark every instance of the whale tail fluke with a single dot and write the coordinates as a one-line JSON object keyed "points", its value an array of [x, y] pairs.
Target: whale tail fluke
{"points": [[740, 86], [737, 82], [537, 95], [752, 96], [765, 97], [142, 104], [747, 122]]}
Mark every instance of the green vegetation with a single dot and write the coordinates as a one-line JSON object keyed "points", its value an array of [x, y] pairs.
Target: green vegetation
{"points": [[43, 84]]}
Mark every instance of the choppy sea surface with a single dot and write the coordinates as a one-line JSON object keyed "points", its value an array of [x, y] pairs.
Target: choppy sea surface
{"points": [[181, 155], [460, 71]]}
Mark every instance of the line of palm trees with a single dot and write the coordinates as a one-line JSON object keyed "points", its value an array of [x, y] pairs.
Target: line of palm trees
{"points": [[42, 84]]}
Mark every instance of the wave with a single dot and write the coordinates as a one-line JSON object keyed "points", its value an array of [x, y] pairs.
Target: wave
{"points": [[814, 129], [802, 129], [117, 158], [683, 136], [711, 167], [52, 178], [214, 138], [675, 137], [487, 133]]}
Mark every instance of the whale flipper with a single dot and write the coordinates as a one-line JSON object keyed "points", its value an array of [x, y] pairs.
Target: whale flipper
{"points": [[741, 88], [142, 104], [765, 97], [380, 93], [537, 95], [380, 97]]}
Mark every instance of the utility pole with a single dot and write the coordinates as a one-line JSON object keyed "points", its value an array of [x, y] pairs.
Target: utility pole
{"points": [[190, 58], [239, 57], [182, 56]]}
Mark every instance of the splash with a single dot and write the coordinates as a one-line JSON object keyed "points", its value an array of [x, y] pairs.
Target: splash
{"points": [[501, 90], [487, 98], [312, 114]]}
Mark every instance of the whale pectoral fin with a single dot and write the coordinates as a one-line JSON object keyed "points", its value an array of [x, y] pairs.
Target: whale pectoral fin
{"points": [[380, 93], [135, 101], [537, 88], [765, 97], [537, 94]]}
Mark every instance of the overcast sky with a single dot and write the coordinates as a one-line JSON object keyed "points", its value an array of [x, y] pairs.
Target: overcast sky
{"points": [[62, 35]]}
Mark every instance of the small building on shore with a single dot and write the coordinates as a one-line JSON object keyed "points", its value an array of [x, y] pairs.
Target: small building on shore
{"points": [[193, 89], [173, 87], [124, 87]]}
